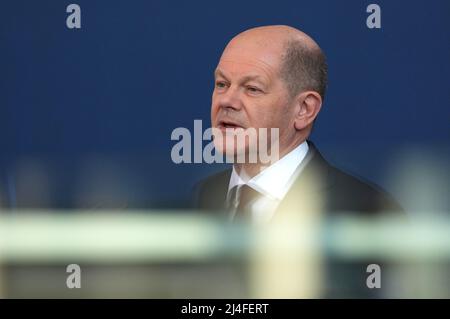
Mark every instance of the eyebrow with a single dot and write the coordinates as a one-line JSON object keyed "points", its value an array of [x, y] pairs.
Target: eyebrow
{"points": [[246, 78], [217, 72]]}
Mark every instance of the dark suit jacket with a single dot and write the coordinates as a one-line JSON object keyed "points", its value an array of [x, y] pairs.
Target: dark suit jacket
{"points": [[333, 190], [336, 193]]}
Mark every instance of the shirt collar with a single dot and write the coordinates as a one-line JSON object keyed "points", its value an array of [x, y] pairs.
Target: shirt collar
{"points": [[275, 180]]}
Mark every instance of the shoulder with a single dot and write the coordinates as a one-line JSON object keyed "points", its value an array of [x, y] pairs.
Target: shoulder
{"points": [[211, 191], [214, 179], [347, 192], [355, 193]]}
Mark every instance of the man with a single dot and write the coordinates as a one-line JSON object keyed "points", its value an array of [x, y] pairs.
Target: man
{"points": [[275, 77]]}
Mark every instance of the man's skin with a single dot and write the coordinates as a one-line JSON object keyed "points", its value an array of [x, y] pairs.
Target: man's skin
{"points": [[249, 91]]}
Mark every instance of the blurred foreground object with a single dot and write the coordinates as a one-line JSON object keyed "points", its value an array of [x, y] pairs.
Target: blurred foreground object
{"points": [[148, 254]]}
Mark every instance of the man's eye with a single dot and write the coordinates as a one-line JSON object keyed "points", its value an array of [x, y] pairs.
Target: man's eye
{"points": [[253, 89], [220, 85]]}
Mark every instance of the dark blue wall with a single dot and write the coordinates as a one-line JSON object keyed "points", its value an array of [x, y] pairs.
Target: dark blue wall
{"points": [[86, 115]]}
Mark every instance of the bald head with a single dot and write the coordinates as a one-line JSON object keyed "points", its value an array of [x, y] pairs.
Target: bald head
{"points": [[275, 35], [296, 57]]}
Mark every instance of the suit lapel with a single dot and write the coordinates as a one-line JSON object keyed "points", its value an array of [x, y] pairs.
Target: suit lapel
{"points": [[311, 179], [215, 192]]}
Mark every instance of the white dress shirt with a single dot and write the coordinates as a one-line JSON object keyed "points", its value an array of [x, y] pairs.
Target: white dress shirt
{"points": [[273, 182]]}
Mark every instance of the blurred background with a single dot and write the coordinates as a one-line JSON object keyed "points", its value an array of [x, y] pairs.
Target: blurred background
{"points": [[86, 117]]}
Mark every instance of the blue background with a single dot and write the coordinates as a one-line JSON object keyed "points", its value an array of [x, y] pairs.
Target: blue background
{"points": [[86, 115]]}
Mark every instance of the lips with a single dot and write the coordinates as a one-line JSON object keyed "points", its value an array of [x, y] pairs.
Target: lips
{"points": [[228, 124]]}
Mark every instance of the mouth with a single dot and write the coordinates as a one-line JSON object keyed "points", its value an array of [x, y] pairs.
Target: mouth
{"points": [[228, 124]]}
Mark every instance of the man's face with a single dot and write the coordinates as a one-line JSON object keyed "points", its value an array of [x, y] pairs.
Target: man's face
{"points": [[249, 93]]}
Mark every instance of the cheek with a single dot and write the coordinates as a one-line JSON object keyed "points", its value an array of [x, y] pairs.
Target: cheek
{"points": [[271, 113], [258, 112], [285, 119]]}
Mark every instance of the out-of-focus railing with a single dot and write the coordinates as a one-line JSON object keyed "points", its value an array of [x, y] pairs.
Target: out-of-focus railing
{"points": [[99, 236], [286, 259]]}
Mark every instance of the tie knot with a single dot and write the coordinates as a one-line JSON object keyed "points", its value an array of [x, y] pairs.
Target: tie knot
{"points": [[247, 195]]}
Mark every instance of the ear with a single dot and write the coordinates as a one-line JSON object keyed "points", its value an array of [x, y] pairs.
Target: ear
{"points": [[307, 109]]}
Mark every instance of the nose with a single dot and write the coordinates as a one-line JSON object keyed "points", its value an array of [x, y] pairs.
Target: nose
{"points": [[230, 99]]}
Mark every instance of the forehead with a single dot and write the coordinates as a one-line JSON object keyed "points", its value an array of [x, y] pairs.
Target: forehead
{"points": [[240, 67], [248, 70], [243, 58]]}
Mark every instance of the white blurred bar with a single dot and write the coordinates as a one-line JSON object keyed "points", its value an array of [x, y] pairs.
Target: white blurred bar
{"points": [[107, 236]]}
